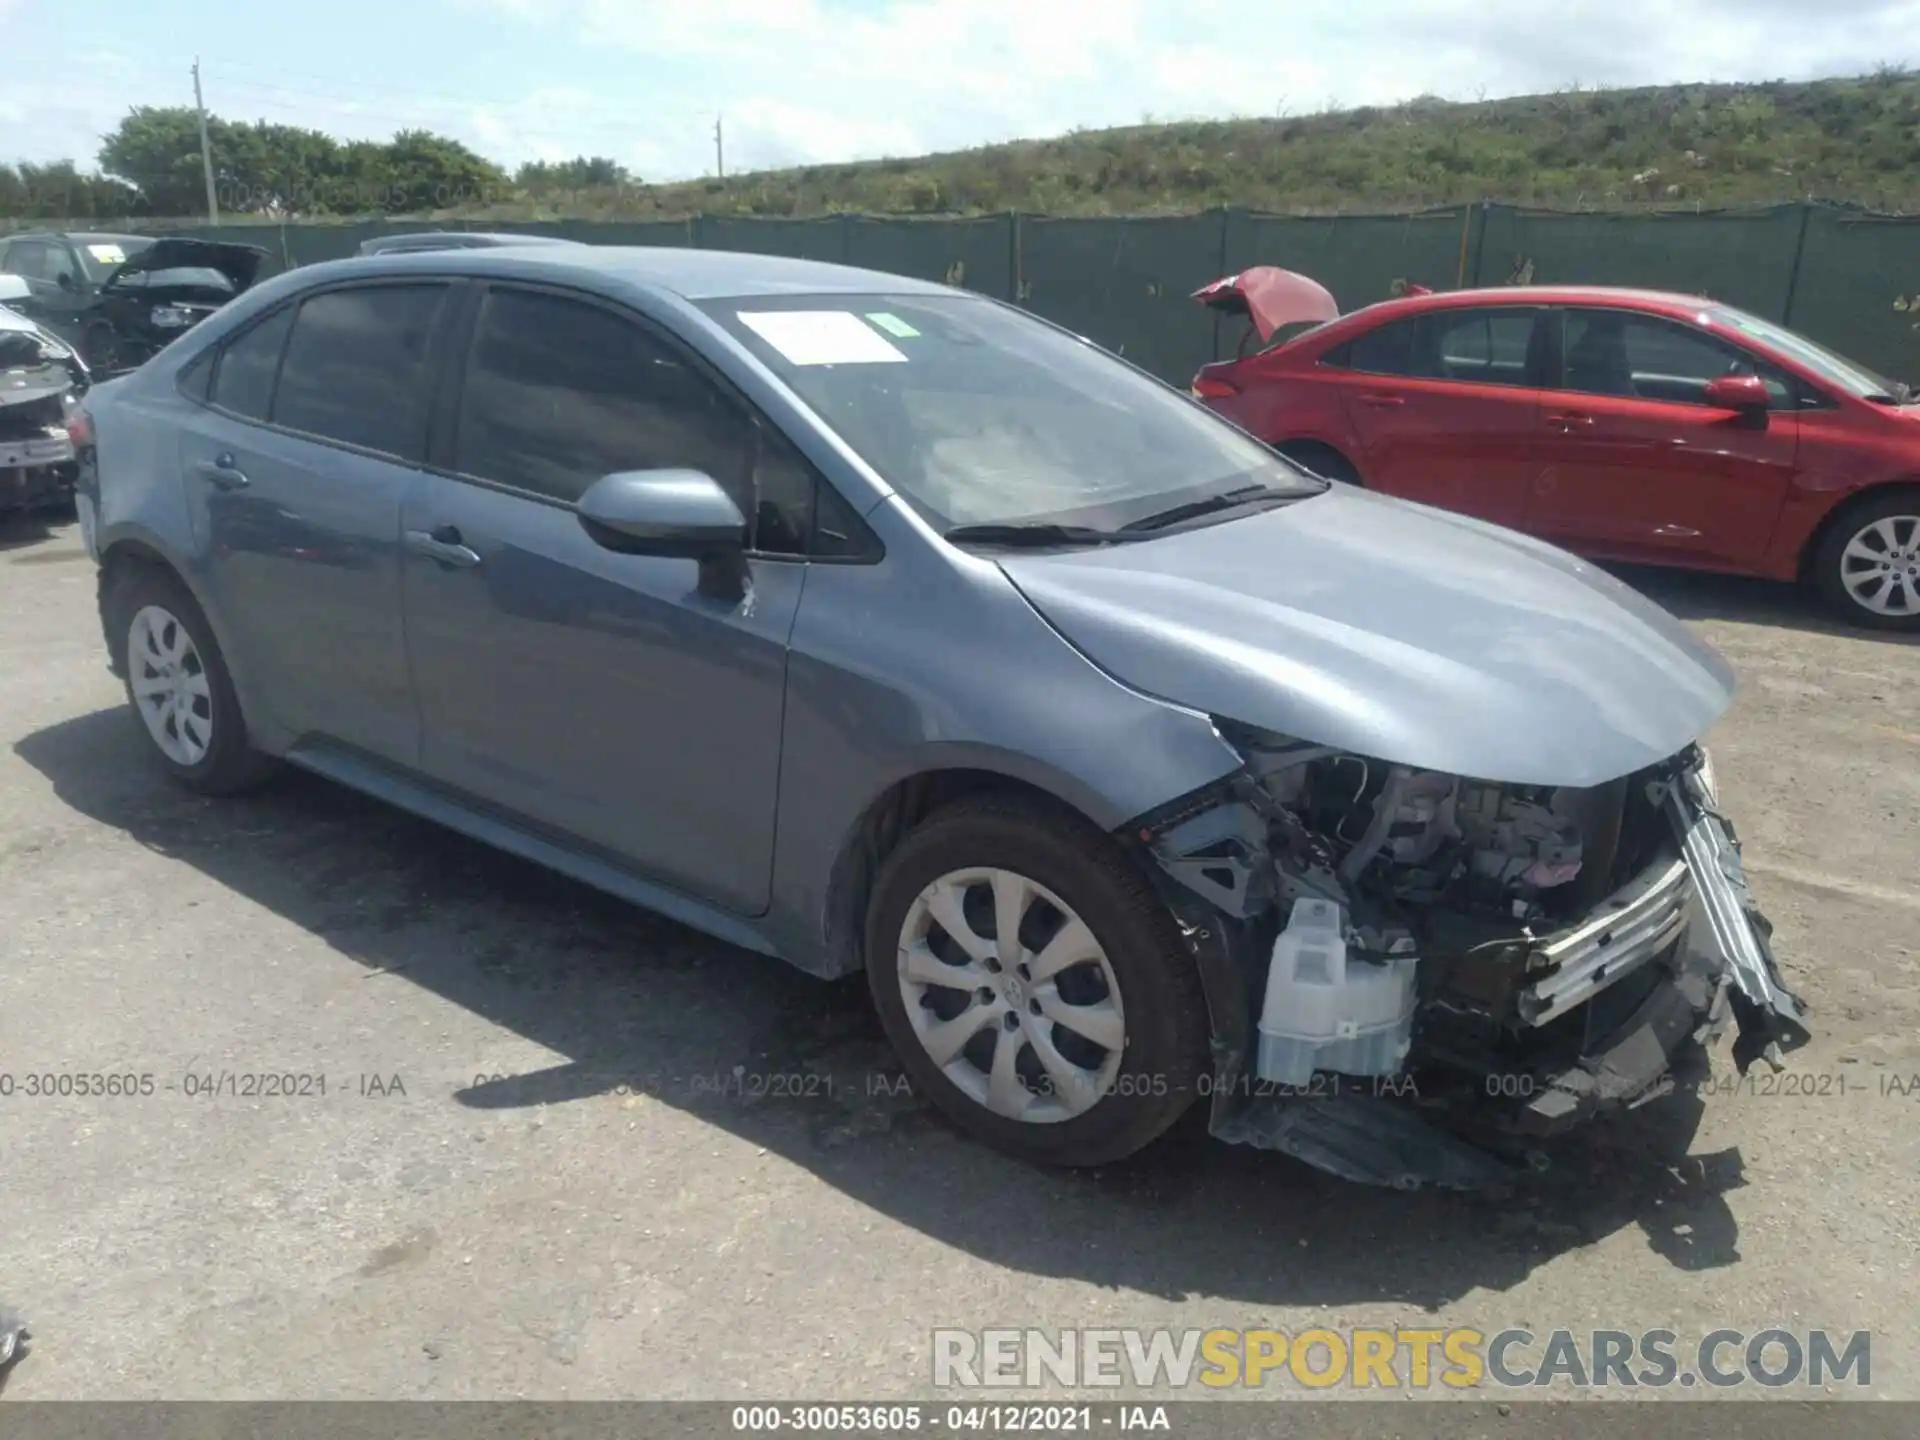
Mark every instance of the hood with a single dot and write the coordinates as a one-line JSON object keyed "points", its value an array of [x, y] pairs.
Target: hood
{"points": [[1397, 632], [1270, 298], [239, 263], [12, 322], [34, 362]]}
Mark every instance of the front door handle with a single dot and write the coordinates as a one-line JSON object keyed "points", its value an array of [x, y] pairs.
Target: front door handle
{"points": [[1570, 420], [1380, 401], [445, 545], [223, 473]]}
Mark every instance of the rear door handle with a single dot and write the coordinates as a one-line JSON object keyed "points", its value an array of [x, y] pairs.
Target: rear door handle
{"points": [[444, 545], [223, 473], [1570, 420], [1380, 401]]}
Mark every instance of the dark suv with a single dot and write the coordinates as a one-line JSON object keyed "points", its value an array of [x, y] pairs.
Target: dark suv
{"points": [[120, 298]]}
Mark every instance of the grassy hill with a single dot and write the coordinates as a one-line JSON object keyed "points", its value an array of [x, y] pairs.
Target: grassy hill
{"points": [[1853, 140]]}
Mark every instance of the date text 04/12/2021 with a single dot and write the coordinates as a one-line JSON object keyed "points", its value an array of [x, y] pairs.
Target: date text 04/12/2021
{"points": [[911, 1418], [197, 1084]]}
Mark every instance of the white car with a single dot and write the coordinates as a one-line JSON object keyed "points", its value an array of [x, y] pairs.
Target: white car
{"points": [[41, 379]]}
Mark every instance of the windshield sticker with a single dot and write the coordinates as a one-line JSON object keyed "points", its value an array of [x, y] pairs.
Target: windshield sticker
{"points": [[822, 337], [893, 324], [108, 254]]}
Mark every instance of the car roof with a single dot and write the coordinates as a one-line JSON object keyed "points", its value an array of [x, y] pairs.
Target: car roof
{"points": [[455, 240], [1669, 301], [690, 274]]}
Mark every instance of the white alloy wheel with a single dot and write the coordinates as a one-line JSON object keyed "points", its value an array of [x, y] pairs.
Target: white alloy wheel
{"points": [[1880, 566], [170, 686], [1011, 995]]}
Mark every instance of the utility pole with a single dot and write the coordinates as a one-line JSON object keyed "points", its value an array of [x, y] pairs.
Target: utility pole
{"points": [[206, 149], [719, 149]]}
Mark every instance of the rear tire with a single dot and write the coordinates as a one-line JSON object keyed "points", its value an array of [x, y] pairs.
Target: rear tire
{"points": [[177, 683], [1867, 567], [1320, 459], [1077, 1041]]}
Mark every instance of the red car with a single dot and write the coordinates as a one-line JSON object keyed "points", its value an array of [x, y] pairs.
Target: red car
{"points": [[1624, 425]]}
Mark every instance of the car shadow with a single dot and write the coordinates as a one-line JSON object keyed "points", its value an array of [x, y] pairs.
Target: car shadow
{"points": [[1702, 595], [640, 1004], [19, 529]]}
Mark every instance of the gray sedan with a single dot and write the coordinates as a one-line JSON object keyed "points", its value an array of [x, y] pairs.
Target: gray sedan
{"points": [[875, 625]]}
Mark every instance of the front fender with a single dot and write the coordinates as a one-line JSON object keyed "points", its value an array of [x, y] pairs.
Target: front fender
{"points": [[884, 685]]}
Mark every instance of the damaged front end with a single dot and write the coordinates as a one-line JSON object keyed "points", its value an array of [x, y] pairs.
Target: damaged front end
{"points": [[1415, 977], [41, 380]]}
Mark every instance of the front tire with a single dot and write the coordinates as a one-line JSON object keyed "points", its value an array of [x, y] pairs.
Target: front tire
{"points": [[178, 685], [100, 348], [1033, 984], [1319, 459], [1868, 566]]}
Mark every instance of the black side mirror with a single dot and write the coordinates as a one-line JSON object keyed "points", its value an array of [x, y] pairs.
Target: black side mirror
{"points": [[683, 514], [66, 281]]}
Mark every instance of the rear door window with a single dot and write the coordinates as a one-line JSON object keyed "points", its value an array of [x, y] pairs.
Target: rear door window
{"points": [[1385, 350], [1482, 347], [31, 260], [1489, 346], [243, 378], [358, 367]]}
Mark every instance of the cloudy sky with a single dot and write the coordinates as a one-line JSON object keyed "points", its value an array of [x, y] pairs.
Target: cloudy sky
{"points": [[641, 80]]}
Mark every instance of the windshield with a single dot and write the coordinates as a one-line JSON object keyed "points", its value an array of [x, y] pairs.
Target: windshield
{"points": [[1836, 370], [106, 253], [981, 416]]}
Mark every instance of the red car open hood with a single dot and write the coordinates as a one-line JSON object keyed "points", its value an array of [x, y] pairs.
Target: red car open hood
{"points": [[1271, 297]]}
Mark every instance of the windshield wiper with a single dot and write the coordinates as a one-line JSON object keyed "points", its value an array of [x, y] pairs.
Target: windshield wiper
{"points": [[1036, 534], [1191, 509]]}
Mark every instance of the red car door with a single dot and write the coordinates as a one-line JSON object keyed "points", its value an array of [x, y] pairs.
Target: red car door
{"points": [[1445, 406], [1637, 466]]}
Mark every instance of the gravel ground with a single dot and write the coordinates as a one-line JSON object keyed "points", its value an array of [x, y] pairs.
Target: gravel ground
{"points": [[534, 1172]]}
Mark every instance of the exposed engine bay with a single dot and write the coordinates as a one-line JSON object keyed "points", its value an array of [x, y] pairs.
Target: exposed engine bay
{"points": [[1511, 958], [40, 380]]}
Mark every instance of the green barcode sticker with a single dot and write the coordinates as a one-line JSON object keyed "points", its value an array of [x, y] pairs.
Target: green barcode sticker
{"points": [[893, 325]]}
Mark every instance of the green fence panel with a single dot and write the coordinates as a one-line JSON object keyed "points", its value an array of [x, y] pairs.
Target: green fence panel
{"points": [[802, 239], [1745, 258], [1849, 279], [553, 229], [587, 232], [311, 244], [977, 254], [1125, 283], [678, 234], [1858, 281], [1357, 257]]}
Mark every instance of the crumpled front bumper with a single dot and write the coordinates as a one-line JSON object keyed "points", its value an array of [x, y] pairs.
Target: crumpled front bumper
{"points": [[50, 446], [1772, 1018], [1687, 927], [35, 472]]}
